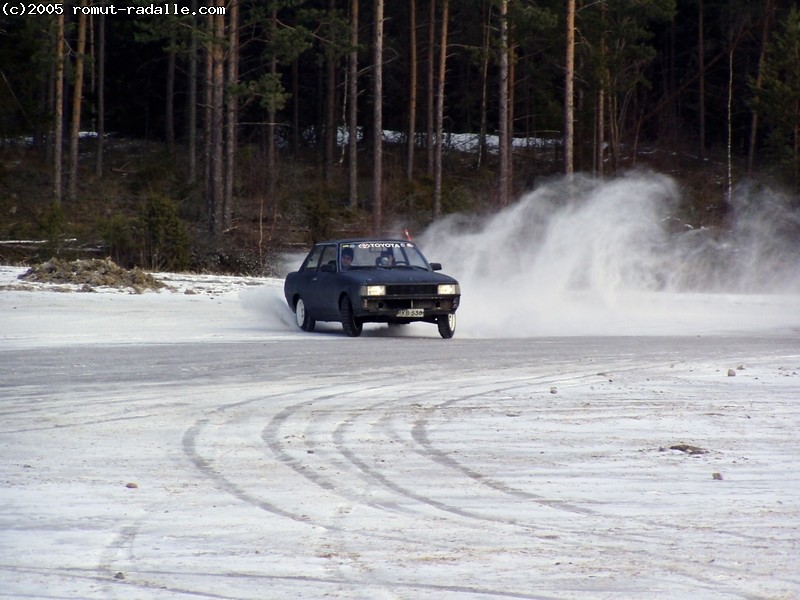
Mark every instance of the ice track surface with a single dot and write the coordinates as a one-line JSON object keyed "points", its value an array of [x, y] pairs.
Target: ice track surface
{"points": [[156, 456]]}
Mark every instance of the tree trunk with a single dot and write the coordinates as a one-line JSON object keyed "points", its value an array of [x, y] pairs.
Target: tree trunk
{"points": [[512, 78], [352, 138], [437, 175], [430, 125], [729, 171], [169, 108], [601, 134], [77, 100], [412, 90], [569, 77], [296, 106], [736, 34], [330, 100], [217, 119], [797, 146], [192, 100], [769, 9], [231, 114], [101, 97], [207, 126], [377, 168], [614, 131], [601, 99], [484, 88], [271, 154], [502, 191], [58, 113], [701, 100], [213, 124]]}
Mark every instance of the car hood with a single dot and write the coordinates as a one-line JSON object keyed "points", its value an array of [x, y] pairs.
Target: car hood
{"points": [[396, 276]]}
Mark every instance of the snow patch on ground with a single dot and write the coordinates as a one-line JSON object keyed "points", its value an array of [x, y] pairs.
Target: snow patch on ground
{"points": [[192, 442]]}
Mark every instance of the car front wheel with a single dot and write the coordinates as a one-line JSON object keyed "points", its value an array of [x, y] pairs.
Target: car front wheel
{"points": [[351, 325], [447, 325], [304, 322]]}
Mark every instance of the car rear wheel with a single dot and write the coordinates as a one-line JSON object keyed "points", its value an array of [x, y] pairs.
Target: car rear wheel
{"points": [[351, 325], [447, 325], [304, 322]]}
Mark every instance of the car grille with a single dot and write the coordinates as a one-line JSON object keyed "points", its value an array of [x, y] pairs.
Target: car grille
{"points": [[395, 304], [412, 290]]}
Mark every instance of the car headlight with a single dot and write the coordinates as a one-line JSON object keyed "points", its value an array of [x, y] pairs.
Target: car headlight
{"points": [[375, 290], [448, 289]]}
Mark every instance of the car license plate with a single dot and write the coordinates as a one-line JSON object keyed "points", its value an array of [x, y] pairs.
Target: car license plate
{"points": [[411, 312]]}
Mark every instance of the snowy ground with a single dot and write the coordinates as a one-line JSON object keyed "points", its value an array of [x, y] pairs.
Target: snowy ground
{"points": [[196, 445]]}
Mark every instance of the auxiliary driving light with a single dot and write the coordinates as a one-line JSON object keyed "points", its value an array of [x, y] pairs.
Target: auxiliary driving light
{"points": [[376, 290]]}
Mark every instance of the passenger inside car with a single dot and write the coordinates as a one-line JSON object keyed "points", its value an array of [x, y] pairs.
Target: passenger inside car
{"points": [[347, 258]]}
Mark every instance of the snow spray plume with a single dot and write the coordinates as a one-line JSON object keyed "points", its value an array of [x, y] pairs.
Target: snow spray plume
{"points": [[596, 257], [758, 252]]}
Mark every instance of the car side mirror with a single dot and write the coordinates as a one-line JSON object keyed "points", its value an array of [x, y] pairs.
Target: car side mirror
{"points": [[436, 266], [328, 268]]}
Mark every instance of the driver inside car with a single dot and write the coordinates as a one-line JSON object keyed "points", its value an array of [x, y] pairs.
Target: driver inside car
{"points": [[386, 259]]}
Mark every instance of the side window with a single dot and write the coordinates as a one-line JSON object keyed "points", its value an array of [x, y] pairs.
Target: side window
{"points": [[312, 262], [328, 255]]}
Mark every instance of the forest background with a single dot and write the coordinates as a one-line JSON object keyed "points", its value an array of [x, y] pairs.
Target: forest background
{"points": [[219, 138]]}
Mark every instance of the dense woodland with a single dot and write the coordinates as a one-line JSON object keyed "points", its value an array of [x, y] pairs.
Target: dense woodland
{"points": [[220, 137]]}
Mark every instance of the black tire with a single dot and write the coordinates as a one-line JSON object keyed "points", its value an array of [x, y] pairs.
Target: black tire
{"points": [[301, 317], [351, 325], [447, 325]]}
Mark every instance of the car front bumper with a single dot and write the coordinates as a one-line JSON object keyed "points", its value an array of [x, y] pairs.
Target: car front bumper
{"points": [[398, 308]]}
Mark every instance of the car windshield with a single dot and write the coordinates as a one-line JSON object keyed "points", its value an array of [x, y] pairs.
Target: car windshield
{"points": [[382, 254]]}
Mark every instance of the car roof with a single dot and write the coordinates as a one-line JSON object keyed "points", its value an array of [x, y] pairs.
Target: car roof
{"points": [[365, 239]]}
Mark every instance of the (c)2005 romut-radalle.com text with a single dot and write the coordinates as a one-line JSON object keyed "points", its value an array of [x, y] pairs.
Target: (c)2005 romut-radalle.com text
{"points": [[22, 9]]}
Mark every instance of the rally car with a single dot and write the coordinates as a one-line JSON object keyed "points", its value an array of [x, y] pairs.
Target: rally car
{"points": [[359, 281]]}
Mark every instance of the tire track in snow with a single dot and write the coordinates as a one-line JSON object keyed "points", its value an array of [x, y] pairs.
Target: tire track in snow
{"points": [[357, 574], [636, 534], [630, 539], [339, 424]]}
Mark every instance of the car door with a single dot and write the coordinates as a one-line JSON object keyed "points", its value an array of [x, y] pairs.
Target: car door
{"points": [[317, 285], [302, 280]]}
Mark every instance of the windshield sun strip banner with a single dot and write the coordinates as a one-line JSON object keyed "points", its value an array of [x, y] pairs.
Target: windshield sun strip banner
{"points": [[372, 245]]}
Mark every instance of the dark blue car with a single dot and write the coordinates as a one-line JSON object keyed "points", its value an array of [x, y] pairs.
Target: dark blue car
{"points": [[371, 281]]}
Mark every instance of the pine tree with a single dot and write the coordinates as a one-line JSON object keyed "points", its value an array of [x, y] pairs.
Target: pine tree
{"points": [[779, 98], [377, 115], [77, 101]]}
